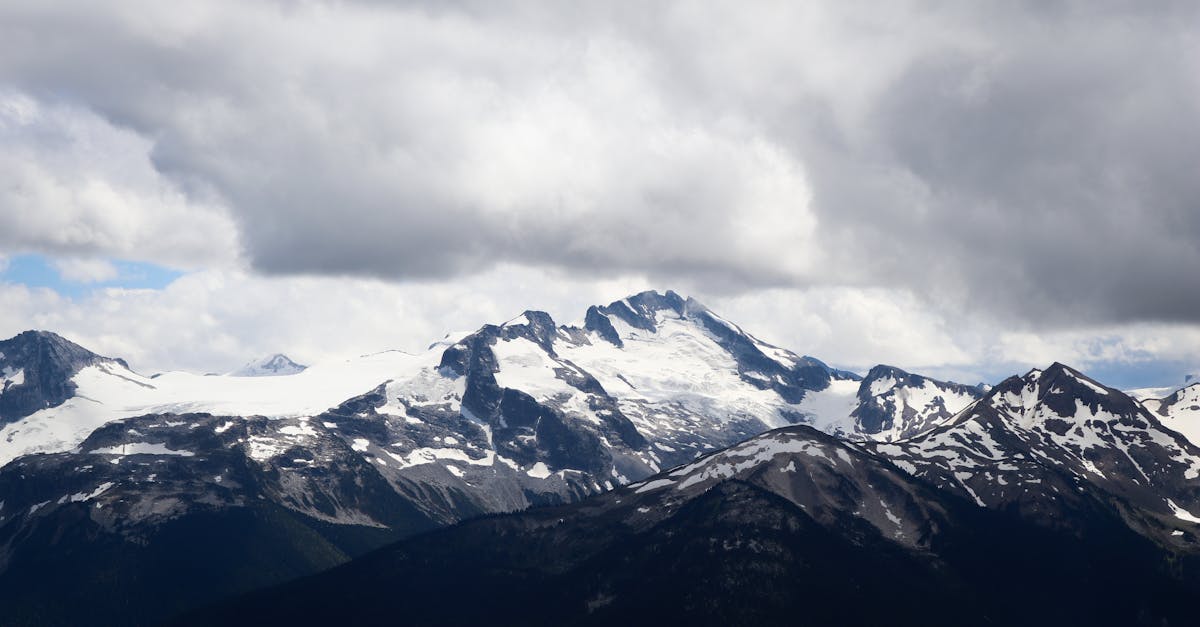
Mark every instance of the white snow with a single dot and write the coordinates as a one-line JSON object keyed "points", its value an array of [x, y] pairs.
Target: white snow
{"points": [[277, 365], [421, 383], [1181, 513], [890, 516], [107, 392], [141, 448], [681, 363], [785, 358], [521, 320], [1148, 394], [962, 480], [1184, 415], [751, 454], [653, 485], [829, 409], [538, 471], [881, 385], [262, 448], [431, 455], [11, 376], [1093, 386], [303, 429], [970, 448], [86, 496]]}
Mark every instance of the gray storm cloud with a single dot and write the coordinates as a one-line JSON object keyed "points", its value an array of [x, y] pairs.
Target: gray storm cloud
{"points": [[1034, 160]]}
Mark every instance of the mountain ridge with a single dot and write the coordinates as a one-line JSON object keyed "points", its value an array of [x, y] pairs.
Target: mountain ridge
{"points": [[353, 454], [532, 414], [37, 367], [791, 523], [274, 365]]}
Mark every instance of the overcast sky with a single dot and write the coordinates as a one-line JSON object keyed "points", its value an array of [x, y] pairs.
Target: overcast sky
{"points": [[968, 189]]}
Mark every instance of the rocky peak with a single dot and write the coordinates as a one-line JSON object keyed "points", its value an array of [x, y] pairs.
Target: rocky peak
{"points": [[597, 322], [535, 326], [45, 346], [1060, 389], [883, 372], [37, 367], [896, 404], [639, 311], [270, 366]]}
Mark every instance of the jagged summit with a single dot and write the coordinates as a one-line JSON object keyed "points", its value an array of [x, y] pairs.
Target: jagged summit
{"points": [[528, 412], [36, 368], [651, 380], [657, 358], [640, 311], [1060, 388], [894, 404], [270, 366], [1045, 436], [1180, 410], [47, 343]]}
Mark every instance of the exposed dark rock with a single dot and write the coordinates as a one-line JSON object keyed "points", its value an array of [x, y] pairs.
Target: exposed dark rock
{"points": [[785, 539], [47, 362]]}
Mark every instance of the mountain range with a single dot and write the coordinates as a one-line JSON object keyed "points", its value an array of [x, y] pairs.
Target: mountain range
{"points": [[650, 426], [789, 527]]}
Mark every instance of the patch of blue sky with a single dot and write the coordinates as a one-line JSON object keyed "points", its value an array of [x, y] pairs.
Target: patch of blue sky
{"points": [[1127, 374], [1141, 370], [1148, 373], [35, 270]]}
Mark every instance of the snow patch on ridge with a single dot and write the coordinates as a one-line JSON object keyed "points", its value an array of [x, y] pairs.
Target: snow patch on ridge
{"points": [[277, 365], [1181, 513], [107, 392], [140, 448], [10, 376]]}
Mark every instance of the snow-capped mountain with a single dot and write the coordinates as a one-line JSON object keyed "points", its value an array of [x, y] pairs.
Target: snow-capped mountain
{"points": [[1045, 440], [792, 523], [509, 416], [512, 415], [310, 469], [888, 404], [1179, 410], [97, 390], [659, 379], [153, 515], [37, 371], [652, 379], [276, 365], [357, 452]]}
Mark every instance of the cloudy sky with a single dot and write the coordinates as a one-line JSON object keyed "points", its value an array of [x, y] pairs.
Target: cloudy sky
{"points": [[967, 189]]}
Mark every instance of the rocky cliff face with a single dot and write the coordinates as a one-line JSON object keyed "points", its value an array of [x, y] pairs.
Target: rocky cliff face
{"points": [[530, 413], [36, 370], [790, 525]]}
